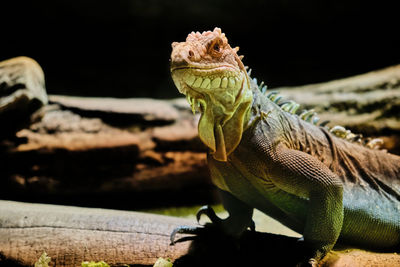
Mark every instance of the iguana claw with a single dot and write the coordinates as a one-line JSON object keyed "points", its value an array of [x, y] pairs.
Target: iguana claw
{"points": [[216, 223], [193, 230], [183, 230], [210, 213]]}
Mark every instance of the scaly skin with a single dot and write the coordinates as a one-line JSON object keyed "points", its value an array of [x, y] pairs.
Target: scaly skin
{"points": [[319, 185]]}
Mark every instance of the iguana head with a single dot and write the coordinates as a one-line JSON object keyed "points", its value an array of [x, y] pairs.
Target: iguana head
{"points": [[212, 76]]}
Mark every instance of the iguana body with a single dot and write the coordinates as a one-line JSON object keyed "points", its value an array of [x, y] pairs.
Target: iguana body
{"points": [[319, 185]]}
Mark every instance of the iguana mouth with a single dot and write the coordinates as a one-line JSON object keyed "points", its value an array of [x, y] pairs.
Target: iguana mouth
{"points": [[201, 84]]}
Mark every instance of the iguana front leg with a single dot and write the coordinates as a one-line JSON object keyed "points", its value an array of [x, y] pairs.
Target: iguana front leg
{"points": [[239, 219], [303, 175], [240, 215]]}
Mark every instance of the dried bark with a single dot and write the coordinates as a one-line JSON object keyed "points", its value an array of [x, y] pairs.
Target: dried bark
{"points": [[70, 235], [84, 147]]}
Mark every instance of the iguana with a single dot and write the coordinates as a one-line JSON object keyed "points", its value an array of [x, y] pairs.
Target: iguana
{"points": [[261, 156]]}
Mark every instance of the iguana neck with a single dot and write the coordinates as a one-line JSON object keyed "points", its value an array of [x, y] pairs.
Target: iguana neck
{"points": [[221, 129]]}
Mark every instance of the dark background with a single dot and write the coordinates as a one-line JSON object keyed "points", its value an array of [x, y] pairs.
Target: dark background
{"points": [[121, 48]]}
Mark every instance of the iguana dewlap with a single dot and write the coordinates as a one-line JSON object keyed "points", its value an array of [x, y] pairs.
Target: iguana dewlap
{"points": [[263, 157]]}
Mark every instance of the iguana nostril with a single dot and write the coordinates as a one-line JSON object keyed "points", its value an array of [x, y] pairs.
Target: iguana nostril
{"points": [[191, 53]]}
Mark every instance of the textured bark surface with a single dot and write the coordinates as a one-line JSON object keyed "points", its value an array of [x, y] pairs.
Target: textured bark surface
{"points": [[70, 235], [83, 148]]}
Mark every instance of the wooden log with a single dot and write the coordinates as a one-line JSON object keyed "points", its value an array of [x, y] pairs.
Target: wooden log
{"points": [[82, 146], [70, 235]]}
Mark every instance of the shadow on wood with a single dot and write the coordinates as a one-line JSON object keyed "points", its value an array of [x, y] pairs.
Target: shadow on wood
{"points": [[210, 248]]}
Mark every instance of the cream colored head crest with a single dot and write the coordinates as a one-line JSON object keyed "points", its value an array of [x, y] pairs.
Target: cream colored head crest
{"points": [[206, 68]]}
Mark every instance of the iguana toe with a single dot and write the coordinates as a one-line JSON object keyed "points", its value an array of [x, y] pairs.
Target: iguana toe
{"points": [[192, 230], [210, 213]]}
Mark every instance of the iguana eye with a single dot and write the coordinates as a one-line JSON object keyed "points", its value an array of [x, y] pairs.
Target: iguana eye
{"points": [[216, 47]]}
